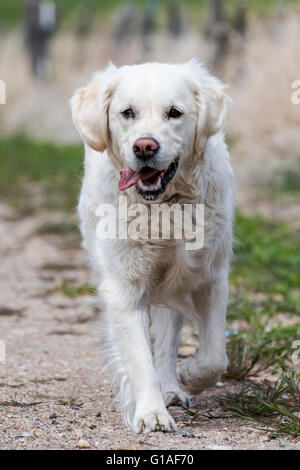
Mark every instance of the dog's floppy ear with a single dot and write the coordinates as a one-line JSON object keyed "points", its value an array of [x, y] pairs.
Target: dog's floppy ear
{"points": [[212, 102], [90, 108]]}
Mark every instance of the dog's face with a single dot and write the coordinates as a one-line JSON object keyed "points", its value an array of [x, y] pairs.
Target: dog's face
{"points": [[153, 119]]}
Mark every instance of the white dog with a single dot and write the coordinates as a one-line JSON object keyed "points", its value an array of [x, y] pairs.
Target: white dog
{"points": [[154, 132]]}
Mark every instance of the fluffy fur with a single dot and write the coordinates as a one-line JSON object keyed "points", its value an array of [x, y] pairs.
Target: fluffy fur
{"points": [[148, 287]]}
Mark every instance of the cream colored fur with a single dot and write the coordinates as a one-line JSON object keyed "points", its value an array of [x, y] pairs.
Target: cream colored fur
{"points": [[147, 288]]}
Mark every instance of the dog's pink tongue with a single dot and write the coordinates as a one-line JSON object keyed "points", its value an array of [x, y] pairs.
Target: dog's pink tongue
{"points": [[128, 178]]}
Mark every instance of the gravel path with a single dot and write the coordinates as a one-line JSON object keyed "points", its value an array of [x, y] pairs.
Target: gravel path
{"points": [[51, 393]]}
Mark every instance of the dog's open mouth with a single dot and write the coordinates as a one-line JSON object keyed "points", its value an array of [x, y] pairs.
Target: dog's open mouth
{"points": [[149, 181]]}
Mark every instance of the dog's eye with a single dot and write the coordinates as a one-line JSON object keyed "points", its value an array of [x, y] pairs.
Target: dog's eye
{"points": [[128, 113], [174, 113]]}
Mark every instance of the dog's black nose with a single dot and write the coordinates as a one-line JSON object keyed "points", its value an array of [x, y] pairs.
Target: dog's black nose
{"points": [[145, 148]]}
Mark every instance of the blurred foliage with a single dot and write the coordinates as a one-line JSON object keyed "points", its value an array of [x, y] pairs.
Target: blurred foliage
{"points": [[12, 11], [287, 178], [267, 256], [57, 228], [39, 174], [70, 290]]}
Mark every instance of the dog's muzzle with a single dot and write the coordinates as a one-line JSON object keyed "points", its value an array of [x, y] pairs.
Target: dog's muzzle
{"points": [[149, 182]]}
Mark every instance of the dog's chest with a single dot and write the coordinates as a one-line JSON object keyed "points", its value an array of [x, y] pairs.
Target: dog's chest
{"points": [[179, 271]]}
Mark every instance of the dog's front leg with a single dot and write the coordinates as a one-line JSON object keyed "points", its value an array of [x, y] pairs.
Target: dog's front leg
{"points": [[204, 370], [165, 328], [127, 316]]}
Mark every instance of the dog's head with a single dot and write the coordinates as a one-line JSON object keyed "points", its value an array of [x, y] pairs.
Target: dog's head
{"points": [[152, 118]]}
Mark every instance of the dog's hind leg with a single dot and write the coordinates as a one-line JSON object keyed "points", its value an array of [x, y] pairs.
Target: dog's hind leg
{"points": [[204, 370], [164, 330]]}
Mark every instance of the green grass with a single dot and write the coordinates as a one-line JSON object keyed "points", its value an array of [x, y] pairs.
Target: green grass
{"points": [[57, 228], [267, 259], [275, 407], [38, 174], [69, 290], [265, 279], [287, 179], [260, 347]]}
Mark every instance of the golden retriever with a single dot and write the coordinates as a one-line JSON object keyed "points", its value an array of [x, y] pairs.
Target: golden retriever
{"points": [[153, 134]]}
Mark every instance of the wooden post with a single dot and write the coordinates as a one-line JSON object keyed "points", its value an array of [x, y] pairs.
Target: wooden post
{"points": [[149, 24], [218, 31], [127, 23], [40, 24], [240, 19], [175, 18]]}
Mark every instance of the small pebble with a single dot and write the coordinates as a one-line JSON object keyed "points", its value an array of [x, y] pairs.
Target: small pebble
{"points": [[83, 444], [215, 447], [220, 384], [282, 443], [59, 377]]}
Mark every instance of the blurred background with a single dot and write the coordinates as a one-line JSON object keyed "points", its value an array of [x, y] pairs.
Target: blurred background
{"points": [[49, 48]]}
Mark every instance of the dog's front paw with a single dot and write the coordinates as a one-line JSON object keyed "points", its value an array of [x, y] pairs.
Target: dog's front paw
{"points": [[176, 398], [154, 420]]}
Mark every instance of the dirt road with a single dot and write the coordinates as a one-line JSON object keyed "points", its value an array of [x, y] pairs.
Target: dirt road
{"points": [[51, 392]]}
